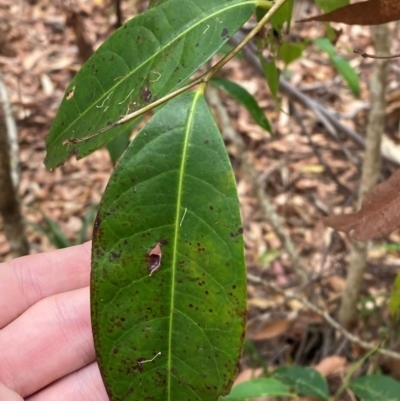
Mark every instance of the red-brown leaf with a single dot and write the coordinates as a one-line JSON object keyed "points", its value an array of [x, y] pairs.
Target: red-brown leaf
{"points": [[379, 214], [372, 12]]}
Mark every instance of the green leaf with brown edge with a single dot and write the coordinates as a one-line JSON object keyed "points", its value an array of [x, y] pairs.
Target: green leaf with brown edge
{"points": [[171, 206], [151, 55]]}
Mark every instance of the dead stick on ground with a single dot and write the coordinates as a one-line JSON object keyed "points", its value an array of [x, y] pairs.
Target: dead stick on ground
{"points": [[229, 133], [332, 322]]}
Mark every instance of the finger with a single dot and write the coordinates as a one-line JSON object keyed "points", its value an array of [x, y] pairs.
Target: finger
{"points": [[82, 385], [50, 340], [26, 280], [8, 394]]}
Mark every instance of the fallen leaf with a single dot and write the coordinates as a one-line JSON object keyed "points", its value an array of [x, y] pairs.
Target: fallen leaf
{"points": [[379, 214], [248, 374], [270, 329], [331, 365]]}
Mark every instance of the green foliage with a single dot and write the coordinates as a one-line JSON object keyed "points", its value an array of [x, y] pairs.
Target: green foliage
{"points": [[305, 381], [272, 75], [282, 16], [265, 387], [344, 68], [394, 303], [246, 99], [376, 387], [153, 54], [289, 52], [174, 186], [391, 247], [52, 231]]}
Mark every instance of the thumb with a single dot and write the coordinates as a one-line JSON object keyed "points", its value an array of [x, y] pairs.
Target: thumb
{"points": [[8, 394]]}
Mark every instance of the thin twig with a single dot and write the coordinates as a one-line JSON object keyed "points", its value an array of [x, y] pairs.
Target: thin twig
{"points": [[366, 55], [332, 322]]}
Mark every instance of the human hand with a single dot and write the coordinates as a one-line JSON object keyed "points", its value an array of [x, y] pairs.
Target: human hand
{"points": [[46, 344]]}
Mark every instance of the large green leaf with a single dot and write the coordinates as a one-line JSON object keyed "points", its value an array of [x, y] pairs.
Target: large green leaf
{"points": [[142, 61], [173, 190]]}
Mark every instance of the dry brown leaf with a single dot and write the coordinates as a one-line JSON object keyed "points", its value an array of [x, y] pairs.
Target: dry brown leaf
{"points": [[248, 374], [336, 283], [269, 329], [331, 365], [379, 214], [372, 12]]}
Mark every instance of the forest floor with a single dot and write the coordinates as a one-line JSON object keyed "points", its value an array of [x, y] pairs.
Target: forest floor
{"points": [[40, 51]]}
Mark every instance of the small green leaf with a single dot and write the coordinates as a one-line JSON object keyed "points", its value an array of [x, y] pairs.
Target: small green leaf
{"points": [[305, 381], [394, 303], [88, 220], [173, 191], [344, 68], [272, 75], [376, 388], [54, 234], [258, 388], [290, 52], [283, 15], [246, 99], [151, 55]]}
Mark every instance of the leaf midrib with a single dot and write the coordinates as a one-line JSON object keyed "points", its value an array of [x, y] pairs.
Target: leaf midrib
{"points": [[189, 125]]}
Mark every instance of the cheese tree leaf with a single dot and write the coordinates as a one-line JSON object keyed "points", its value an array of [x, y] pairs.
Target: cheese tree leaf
{"points": [[151, 55], [168, 283]]}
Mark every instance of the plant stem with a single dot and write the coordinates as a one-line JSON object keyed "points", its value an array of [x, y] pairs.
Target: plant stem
{"points": [[370, 172]]}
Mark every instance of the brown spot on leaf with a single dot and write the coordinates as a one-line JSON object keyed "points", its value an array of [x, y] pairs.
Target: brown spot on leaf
{"points": [[146, 94], [224, 32]]}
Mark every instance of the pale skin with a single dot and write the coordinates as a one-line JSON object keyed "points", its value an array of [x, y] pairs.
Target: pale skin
{"points": [[46, 344]]}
